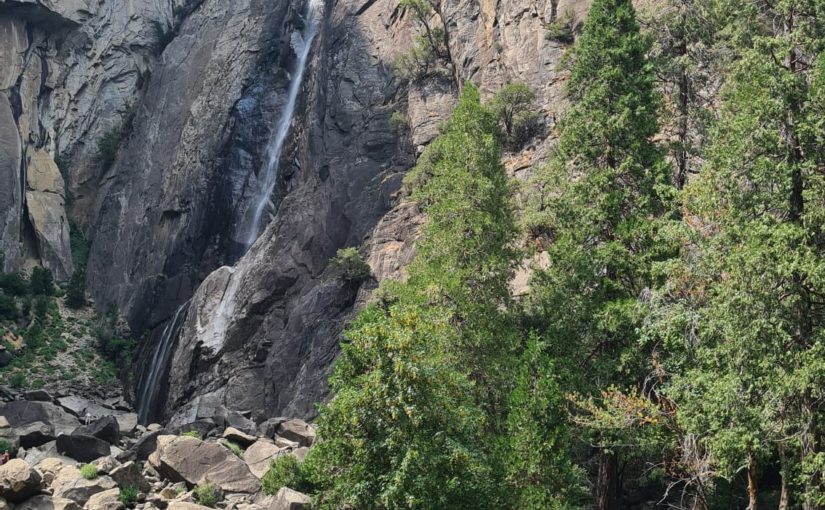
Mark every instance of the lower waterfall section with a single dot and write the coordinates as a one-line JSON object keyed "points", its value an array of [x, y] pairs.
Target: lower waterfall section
{"points": [[156, 370]]}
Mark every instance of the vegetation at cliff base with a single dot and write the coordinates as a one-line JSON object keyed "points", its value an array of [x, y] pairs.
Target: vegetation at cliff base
{"points": [[671, 353]]}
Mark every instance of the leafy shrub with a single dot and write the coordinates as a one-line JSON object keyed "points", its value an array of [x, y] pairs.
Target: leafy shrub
{"points": [[287, 471], [6, 446], [14, 284], [128, 495], [88, 471], [206, 495], [562, 29], [192, 433], [235, 447], [420, 61], [514, 106], [107, 148], [350, 266], [42, 282], [399, 123], [76, 290], [8, 307], [114, 347], [17, 380]]}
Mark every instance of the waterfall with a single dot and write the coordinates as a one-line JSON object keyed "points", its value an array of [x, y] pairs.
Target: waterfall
{"points": [[150, 384], [301, 44]]}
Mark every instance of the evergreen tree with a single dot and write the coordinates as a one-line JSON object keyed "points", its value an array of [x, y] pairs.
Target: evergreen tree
{"points": [[600, 206], [41, 282], [749, 377], [421, 384]]}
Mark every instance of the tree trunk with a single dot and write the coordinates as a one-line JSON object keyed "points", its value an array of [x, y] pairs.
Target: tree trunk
{"points": [[606, 495], [785, 494], [753, 493]]}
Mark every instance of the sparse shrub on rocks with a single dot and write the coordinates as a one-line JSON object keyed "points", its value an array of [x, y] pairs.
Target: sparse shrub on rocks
{"points": [[206, 495], [128, 495], [88, 471], [350, 266]]}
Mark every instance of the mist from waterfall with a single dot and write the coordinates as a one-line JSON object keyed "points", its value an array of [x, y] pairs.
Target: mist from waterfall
{"points": [[301, 44], [148, 389]]}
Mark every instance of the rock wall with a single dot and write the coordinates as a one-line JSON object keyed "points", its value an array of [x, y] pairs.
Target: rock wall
{"points": [[261, 335]]}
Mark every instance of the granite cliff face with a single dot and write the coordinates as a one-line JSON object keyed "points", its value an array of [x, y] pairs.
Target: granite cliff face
{"points": [[189, 92]]}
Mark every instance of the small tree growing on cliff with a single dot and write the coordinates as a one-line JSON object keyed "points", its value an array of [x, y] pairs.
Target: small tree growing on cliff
{"points": [[515, 106], [350, 266], [431, 47]]}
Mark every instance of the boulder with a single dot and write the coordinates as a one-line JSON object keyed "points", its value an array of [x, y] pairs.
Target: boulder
{"points": [[184, 505], [4, 505], [44, 502], [269, 427], [34, 434], [288, 499], [106, 500], [154, 427], [38, 396], [49, 468], [259, 456], [18, 481], [47, 451], [85, 409], [129, 474], [297, 430], [21, 412], [127, 423], [239, 437], [188, 459], [105, 428], [82, 447], [69, 484], [143, 447], [106, 465]]}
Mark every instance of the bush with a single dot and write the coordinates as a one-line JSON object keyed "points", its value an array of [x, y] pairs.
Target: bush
{"points": [[235, 447], [562, 29], [206, 495], [349, 265], [76, 291], [399, 123], [88, 471], [128, 495], [420, 61], [286, 471], [8, 307], [107, 148], [6, 446], [42, 282], [514, 106], [17, 380], [192, 433], [14, 284]]}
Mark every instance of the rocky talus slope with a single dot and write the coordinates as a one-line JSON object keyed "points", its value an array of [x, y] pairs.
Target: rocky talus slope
{"points": [[112, 463]]}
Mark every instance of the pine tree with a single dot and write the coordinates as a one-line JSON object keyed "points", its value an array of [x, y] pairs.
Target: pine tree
{"points": [[749, 377], [603, 198], [423, 377]]}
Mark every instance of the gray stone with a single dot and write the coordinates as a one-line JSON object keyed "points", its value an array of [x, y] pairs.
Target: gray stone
{"points": [[239, 437], [259, 456], [82, 447], [105, 428], [127, 423], [299, 431], [106, 500], [129, 474], [288, 499]]}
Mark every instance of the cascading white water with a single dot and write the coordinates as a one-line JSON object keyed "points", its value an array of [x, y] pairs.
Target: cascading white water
{"points": [[301, 44], [149, 388]]}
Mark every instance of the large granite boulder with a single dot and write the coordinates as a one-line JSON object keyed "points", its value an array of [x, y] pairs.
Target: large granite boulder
{"points": [[82, 447], [18, 481], [297, 430], [188, 459], [105, 428], [106, 500], [34, 434], [22, 412], [70, 484], [259, 456], [288, 499]]}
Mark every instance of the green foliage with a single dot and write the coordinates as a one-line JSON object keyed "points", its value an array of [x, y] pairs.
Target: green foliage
{"points": [[515, 107], [88, 471], [235, 447], [409, 423], [128, 495], [420, 61], [287, 471], [350, 266], [206, 495], [107, 148], [14, 284], [399, 122], [79, 246], [111, 345], [76, 289], [192, 433], [8, 307], [41, 282], [562, 29], [6, 446], [17, 380]]}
